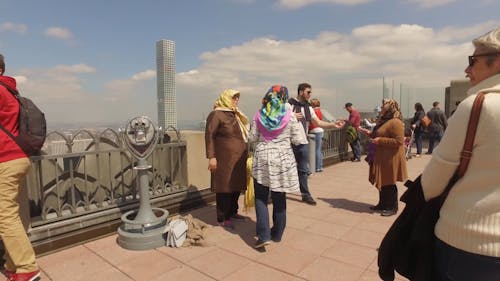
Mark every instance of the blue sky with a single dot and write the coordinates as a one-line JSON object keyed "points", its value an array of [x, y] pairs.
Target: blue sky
{"points": [[94, 61]]}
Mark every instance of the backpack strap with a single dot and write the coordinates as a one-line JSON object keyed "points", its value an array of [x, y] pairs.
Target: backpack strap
{"points": [[14, 92], [16, 95]]}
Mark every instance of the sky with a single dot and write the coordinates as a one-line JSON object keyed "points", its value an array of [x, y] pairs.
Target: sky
{"points": [[86, 62]]}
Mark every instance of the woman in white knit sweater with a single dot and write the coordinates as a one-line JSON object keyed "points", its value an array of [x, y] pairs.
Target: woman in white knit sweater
{"points": [[468, 230]]}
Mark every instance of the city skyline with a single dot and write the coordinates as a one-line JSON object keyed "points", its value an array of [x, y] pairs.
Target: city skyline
{"points": [[102, 69]]}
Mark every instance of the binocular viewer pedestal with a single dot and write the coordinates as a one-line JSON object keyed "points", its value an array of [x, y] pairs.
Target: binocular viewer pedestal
{"points": [[145, 228]]}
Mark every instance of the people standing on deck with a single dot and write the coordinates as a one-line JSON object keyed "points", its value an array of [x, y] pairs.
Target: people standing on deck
{"points": [[226, 136], [20, 263], [318, 136], [418, 129], [306, 115], [468, 228], [274, 169], [437, 127], [354, 121], [388, 162]]}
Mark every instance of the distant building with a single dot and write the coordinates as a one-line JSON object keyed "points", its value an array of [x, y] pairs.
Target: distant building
{"points": [[165, 82], [457, 91]]}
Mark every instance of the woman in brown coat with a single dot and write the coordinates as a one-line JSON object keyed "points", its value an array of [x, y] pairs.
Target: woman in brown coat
{"points": [[388, 162], [226, 149]]}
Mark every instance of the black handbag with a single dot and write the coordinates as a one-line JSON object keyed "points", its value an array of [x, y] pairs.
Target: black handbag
{"points": [[408, 246]]}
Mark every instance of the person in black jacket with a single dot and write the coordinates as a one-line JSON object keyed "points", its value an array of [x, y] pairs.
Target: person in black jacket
{"points": [[437, 127], [417, 127]]}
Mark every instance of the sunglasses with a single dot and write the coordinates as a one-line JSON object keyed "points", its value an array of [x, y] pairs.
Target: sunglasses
{"points": [[472, 59]]}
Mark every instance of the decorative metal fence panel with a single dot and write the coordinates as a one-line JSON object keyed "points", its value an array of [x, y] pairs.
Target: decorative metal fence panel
{"points": [[87, 173]]}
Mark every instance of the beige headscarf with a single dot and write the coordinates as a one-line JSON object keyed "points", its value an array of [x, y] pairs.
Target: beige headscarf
{"points": [[225, 103], [391, 109]]}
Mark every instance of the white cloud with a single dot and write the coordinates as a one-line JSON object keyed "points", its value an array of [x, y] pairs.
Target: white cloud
{"points": [[340, 66], [20, 79], [431, 3], [296, 4], [76, 68], [62, 92], [14, 27], [145, 75], [59, 33]]}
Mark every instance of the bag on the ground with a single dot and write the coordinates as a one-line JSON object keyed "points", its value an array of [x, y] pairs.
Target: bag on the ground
{"points": [[177, 232], [32, 125], [351, 134], [425, 121]]}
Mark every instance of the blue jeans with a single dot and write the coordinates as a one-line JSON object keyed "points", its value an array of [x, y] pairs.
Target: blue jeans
{"points": [[453, 264], [433, 137], [356, 148], [318, 137], [301, 153], [264, 233], [418, 141]]}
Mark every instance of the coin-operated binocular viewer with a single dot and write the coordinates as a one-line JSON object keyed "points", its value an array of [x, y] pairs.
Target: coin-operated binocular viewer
{"points": [[142, 229]]}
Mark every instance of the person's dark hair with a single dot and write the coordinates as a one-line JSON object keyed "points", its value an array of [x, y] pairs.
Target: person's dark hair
{"points": [[302, 87], [436, 103], [419, 107], [348, 105], [2, 65]]}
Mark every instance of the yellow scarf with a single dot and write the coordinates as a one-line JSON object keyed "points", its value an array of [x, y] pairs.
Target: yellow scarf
{"points": [[225, 103]]}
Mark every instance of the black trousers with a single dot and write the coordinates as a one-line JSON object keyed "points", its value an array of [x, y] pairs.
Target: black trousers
{"points": [[227, 205], [389, 197]]}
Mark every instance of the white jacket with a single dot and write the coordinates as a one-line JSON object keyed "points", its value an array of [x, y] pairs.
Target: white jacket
{"points": [[470, 217]]}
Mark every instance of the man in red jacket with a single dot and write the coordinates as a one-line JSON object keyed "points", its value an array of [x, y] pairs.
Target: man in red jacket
{"points": [[355, 121], [20, 264]]}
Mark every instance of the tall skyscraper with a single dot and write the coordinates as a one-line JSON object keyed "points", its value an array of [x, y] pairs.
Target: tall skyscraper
{"points": [[165, 83]]}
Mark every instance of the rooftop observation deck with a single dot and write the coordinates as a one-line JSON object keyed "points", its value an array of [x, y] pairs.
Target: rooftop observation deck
{"points": [[335, 240]]}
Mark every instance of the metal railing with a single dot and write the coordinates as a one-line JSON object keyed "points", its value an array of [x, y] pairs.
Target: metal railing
{"points": [[84, 181], [334, 144], [90, 177]]}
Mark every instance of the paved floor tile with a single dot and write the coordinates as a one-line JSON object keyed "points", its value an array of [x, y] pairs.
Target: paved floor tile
{"points": [[287, 259], [352, 254], [149, 266], [182, 273], [258, 272], [326, 269], [219, 263], [335, 240]]}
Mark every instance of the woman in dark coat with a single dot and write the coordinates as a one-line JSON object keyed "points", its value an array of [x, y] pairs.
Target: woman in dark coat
{"points": [[388, 163], [417, 126], [226, 149]]}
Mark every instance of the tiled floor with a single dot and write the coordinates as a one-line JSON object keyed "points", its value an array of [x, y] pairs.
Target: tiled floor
{"points": [[335, 240]]}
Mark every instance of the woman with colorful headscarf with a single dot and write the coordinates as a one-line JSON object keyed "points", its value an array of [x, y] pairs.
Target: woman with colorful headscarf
{"points": [[226, 135], [388, 162], [274, 169]]}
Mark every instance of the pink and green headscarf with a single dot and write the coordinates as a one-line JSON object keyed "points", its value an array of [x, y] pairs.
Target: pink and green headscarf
{"points": [[273, 117]]}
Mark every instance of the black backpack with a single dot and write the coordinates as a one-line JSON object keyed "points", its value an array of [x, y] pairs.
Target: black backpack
{"points": [[32, 125]]}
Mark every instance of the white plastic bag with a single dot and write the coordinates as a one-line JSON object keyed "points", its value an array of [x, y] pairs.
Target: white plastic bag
{"points": [[177, 232]]}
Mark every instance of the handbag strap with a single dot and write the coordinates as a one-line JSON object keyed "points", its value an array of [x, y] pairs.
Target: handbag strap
{"points": [[466, 153]]}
